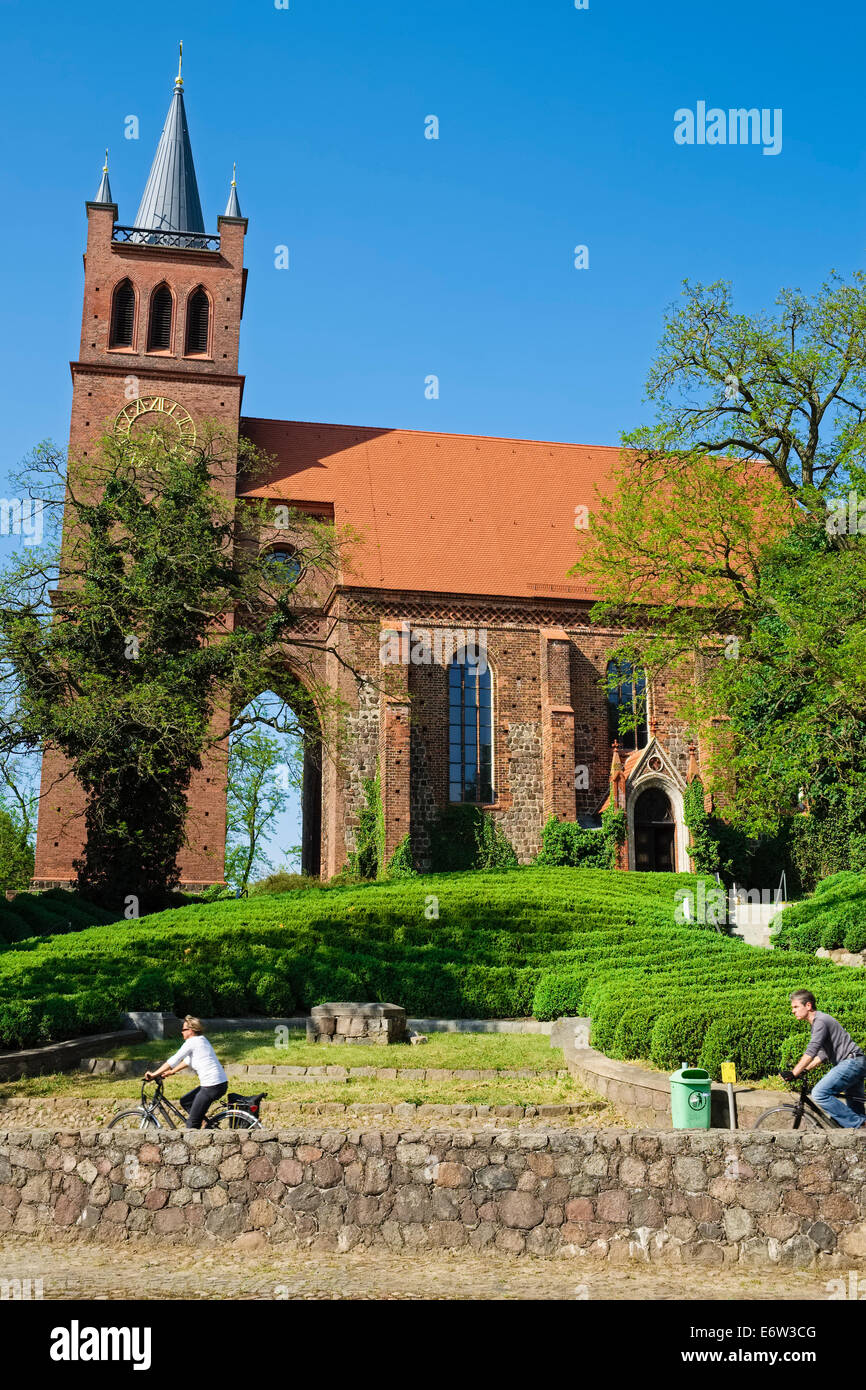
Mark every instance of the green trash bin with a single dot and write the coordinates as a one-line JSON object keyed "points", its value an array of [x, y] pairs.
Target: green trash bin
{"points": [[690, 1098]]}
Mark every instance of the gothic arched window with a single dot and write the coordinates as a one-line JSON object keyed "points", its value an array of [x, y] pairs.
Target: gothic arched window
{"points": [[626, 705], [197, 318], [159, 329], [470, 727], [122, 315]]}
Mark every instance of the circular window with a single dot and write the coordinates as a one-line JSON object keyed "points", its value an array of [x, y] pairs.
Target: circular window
{"points": [[288, 560]]}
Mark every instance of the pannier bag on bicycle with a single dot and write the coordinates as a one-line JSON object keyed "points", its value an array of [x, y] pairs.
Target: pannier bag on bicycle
{"points": [[251, 1104]]}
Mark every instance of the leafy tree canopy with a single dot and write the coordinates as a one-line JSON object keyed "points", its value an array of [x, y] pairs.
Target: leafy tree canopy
{"points": [[719, 546], [127, 646]]}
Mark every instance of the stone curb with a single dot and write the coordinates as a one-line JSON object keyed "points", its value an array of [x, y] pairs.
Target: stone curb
{"points": [[420, 1025], [61, 1056], [135, 1066]]}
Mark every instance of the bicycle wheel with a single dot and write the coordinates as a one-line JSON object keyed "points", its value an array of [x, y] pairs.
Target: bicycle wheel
{"points": [[234, 1119], [139, 1118], [786, 1117]]}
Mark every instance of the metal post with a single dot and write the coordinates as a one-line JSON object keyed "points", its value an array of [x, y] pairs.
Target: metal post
{"points": [[732, 1109], [729, 1076]]}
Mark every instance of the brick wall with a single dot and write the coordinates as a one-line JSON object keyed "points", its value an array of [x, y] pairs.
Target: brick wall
{"points": [[549, 712]]}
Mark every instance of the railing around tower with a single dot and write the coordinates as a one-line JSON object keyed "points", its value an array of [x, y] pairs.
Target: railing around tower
{"points": [[183, 241]]}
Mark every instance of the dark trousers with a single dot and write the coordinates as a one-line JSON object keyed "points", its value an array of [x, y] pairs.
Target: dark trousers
{"points": [[196, 1102]]}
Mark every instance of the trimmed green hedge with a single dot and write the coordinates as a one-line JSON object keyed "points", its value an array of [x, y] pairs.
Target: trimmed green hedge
{"points": [[483, 955], [834, 917], [504, 944], [46, 914]]}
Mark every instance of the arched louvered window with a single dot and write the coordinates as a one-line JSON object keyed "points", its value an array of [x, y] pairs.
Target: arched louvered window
{"points": [[122, 315], [627, 705], [197, 316], [159, 330], [470, 727]]}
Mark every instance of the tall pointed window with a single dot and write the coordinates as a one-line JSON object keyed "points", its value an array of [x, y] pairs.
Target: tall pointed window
{"points": [[470, 727], [159, 329], [626, 705], [197, 316], [122, 315]]}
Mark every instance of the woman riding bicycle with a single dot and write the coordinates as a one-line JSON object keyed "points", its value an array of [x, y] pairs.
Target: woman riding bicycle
{"points": [[197, 1053]]}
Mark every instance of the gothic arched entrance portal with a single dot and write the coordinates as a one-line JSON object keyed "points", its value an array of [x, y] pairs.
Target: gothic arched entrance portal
{"points": [[654, 832]]}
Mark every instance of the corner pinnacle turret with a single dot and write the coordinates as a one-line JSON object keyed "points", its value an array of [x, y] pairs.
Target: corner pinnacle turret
{"points": [[104, 191], [233, 207]]}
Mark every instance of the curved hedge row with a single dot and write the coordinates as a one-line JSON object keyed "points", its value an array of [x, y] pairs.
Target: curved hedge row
{"points": [[834, 917], [482, 956], [46, 914], [542, 941]]}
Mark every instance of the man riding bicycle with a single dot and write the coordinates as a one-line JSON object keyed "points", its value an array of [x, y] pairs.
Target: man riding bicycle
{"points": [[829, 1042], [197, 1053]]}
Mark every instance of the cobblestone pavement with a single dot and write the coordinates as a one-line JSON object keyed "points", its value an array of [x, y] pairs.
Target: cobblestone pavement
{"points": [[89, 1271]]}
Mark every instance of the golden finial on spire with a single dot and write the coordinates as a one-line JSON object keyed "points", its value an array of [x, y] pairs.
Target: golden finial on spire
{"points": [[105, 165], [234, 174], [178, 81]]}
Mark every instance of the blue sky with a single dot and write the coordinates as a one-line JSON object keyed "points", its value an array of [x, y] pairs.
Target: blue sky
{"points": [[453, 257]]}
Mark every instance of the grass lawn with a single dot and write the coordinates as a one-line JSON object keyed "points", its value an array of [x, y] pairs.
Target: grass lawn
{"points": [[456, 1051], [539, 1090]]}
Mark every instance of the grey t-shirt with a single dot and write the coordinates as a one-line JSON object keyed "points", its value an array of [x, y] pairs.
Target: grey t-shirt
{"points": [[830, 1042]]}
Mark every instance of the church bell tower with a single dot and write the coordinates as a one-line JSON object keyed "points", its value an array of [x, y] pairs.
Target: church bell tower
{"points": [[160, 329]]}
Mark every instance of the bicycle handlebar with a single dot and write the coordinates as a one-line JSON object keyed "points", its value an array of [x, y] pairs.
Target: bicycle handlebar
{"points": [[803, 1081]]}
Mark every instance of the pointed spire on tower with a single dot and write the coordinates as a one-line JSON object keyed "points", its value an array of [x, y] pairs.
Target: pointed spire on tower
{"points": [[170, 202], [104, 192], [233, 207]]}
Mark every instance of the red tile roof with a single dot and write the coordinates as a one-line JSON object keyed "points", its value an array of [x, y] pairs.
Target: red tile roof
{"points": [[448, 513]]}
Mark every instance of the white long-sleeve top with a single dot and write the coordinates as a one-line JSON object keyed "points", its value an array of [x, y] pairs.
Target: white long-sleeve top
{"points": [[198, 1054]]}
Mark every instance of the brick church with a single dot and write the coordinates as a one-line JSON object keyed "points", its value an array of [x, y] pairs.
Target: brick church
{"points": [[464, 552]]}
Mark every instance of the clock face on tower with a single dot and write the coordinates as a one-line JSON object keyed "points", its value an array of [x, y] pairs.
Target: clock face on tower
{"points": [[137, 410]]}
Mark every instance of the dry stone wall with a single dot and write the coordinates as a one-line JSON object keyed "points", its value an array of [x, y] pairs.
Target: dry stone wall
{"points": [[711, 1198]]}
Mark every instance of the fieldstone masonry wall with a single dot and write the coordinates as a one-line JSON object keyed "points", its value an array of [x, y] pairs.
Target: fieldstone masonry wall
{"points": [[379, 1024], [711, 1198]]}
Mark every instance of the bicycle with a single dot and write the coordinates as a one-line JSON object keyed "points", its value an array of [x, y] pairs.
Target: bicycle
{"points": [[241, 1112], [805, 1114]]}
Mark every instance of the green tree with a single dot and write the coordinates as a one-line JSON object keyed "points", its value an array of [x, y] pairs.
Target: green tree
{"points": [[19, 801], [793, 702], [124, 647], [16, 854], [263, 770], [717, 549], [787, 388]]}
